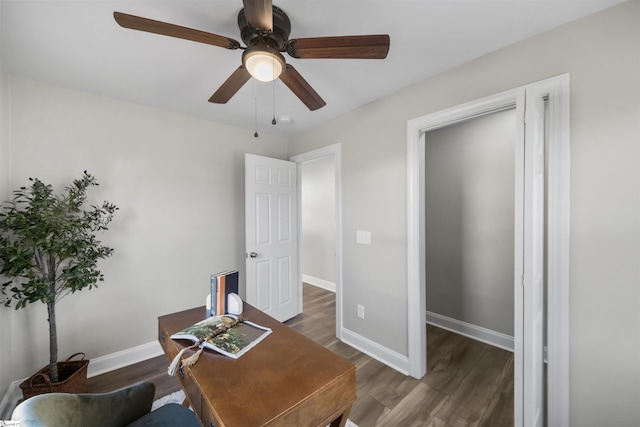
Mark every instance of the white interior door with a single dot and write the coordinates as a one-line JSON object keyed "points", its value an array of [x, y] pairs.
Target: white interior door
{"points": [[533, 278], [271, 236]]}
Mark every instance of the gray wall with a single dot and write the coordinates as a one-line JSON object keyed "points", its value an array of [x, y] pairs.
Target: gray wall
{"points": [[5, 315], [154, 164], [470, 172], [179, 183], [318, 220], [602, 55]]}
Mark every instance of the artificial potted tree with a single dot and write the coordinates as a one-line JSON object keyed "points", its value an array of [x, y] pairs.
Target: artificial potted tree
{"points": [[48, 250]]}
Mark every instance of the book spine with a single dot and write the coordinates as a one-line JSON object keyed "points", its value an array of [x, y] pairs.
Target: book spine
{"points": [[232, 282], [221, 296], [231, 286], [213, 290]]}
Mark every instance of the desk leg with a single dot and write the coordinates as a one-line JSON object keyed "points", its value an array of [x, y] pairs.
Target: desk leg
{"points": [[341, 421]]}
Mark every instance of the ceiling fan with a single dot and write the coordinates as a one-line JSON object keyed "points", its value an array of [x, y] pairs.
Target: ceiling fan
{"points": [[265, 29]]}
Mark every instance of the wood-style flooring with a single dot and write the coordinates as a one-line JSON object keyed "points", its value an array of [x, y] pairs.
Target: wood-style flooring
{"points": [[468, 383]]}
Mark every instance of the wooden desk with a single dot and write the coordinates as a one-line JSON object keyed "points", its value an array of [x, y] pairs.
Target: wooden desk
{"points": [[286, 380]]}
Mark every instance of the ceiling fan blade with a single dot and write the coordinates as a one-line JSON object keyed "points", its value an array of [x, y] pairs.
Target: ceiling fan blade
{"points": [[299, 86], [259, 14], [231, 86], [345, 47], [172, 30]]}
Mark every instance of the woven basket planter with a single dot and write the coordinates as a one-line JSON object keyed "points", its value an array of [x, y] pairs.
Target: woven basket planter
{"points": [[72, 375]]}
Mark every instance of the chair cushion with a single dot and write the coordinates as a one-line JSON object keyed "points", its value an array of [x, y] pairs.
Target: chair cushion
{"points": [[114, 409], [169, 415]]}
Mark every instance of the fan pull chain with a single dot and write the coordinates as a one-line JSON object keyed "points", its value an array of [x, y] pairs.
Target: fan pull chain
{"points": [[273, 82], [274, 122], [255, 103]]}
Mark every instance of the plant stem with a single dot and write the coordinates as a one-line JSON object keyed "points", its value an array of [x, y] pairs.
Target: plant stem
{"points": [[53, 344], [53, 337]]}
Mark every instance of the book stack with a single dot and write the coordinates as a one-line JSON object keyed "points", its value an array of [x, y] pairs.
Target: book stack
{"points": [[222, 284]]}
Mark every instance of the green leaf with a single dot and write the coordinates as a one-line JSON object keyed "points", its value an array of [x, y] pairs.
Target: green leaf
{"points": [[48, 246]]}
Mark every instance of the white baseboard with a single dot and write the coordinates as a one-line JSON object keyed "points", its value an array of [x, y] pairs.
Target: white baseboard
{"points": [[478, 333], [321, 283], [389, 357], [97, 366], [120, 359]]}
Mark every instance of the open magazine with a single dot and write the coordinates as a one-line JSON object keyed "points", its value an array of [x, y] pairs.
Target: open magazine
{"points": [[229, 335]]}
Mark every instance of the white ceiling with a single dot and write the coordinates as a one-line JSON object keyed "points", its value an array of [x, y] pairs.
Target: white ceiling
{"points": [[78, 45]]}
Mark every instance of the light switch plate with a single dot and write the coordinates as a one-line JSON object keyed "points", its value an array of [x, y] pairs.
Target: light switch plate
{"points": [[363, 237]]}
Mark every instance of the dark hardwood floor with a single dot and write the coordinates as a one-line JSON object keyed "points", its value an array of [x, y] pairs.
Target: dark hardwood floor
{"points": [[468, 383], [154, 370]]}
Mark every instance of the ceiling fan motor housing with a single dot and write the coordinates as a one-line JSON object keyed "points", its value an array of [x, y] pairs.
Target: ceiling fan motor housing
{"points": [[256, 37]]}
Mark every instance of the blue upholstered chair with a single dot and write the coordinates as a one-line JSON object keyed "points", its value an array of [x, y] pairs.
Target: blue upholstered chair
{"points": [[130, 406]]}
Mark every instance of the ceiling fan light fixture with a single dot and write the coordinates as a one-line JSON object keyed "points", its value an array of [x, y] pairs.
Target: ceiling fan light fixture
{"points": [[263, 63]]}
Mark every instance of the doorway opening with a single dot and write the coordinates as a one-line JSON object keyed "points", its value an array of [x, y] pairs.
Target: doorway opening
{"points": [[469, 226], [529, 102], [317, 213], [469, 259], [315, 168]]}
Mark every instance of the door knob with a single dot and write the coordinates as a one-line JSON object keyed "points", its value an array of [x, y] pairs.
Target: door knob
{"points": [[253, 255]]}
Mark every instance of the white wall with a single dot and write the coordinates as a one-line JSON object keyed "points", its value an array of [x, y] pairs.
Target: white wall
{"points": [[318, 243], [469, 202], [179, 183], [602, 54], [5, 314]]}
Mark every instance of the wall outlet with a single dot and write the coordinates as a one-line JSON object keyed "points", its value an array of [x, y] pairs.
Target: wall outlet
{"points": [[360, 311]]}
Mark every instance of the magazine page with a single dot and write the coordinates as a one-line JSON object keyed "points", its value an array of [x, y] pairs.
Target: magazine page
{"points": [[203, 328], [238, 340], [233, 342]]}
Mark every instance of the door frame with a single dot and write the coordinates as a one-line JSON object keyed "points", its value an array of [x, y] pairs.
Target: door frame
{"points": [[334, 151], [556, 91]]}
